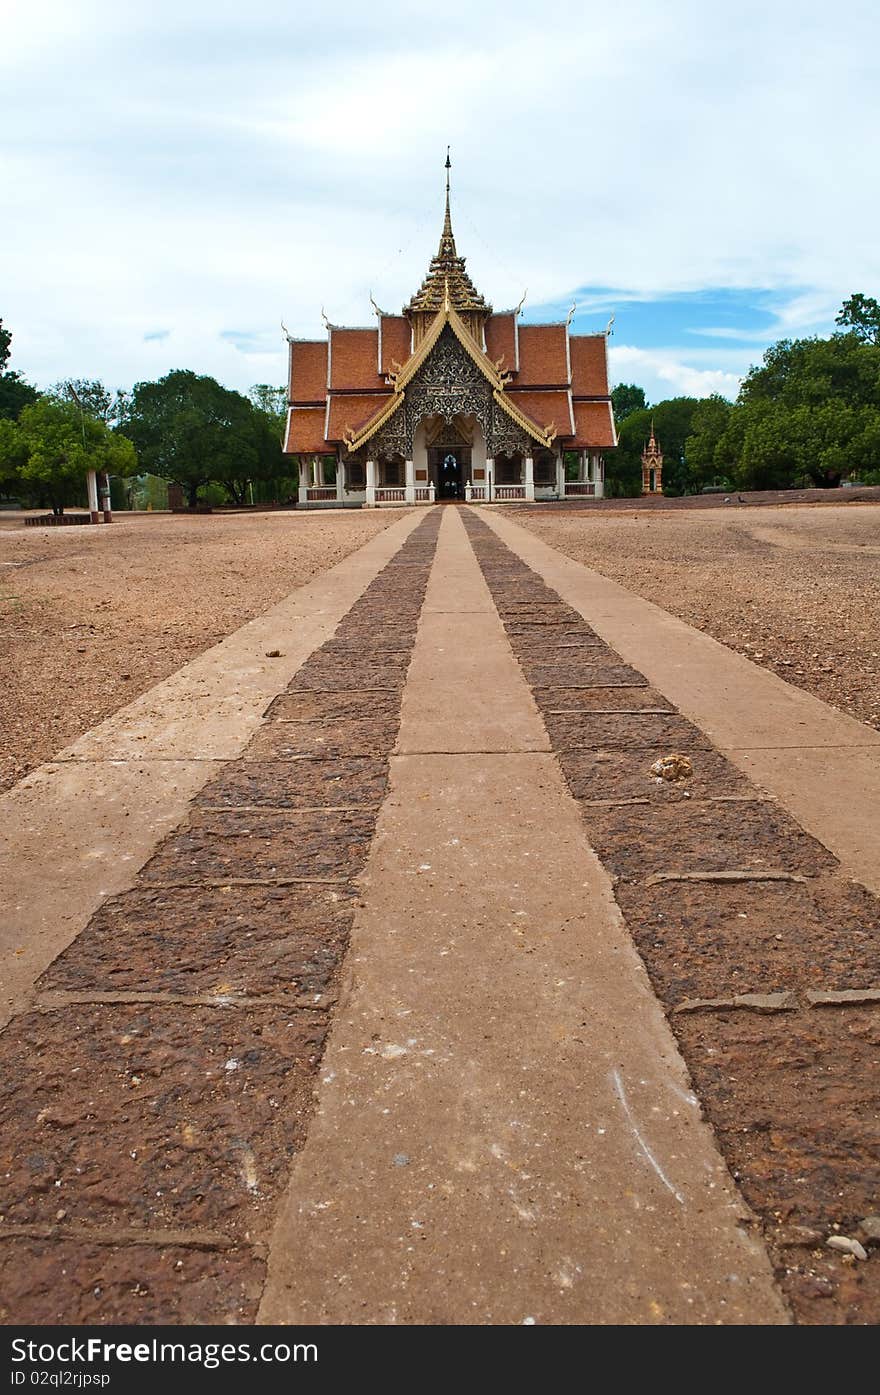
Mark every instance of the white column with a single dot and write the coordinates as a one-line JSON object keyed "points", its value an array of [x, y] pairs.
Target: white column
{"points": [[340, 480], [303, 481], [583, 473], [560, 475], [530, 476], [92, 485], [319, 467], [599, 490], [490, 472], [371, 484], [409, 480]]}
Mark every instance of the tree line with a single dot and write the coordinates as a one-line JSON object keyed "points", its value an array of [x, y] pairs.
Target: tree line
{"points": [[809, 414], [186, 429]]}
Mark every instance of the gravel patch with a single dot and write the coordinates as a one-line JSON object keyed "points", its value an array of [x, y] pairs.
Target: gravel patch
{"points": [[92, 617], [796, 590]]}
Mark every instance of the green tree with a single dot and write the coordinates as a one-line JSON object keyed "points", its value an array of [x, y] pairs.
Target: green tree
{"points": [[190, 430], [96, 399], [272, 402], [672, 425], [15, 393], [811, 409], [704, 463], [51, 447], [861, 313], [627, 398]]}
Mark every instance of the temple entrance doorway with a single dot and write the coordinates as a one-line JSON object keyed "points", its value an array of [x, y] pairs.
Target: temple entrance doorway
{"points": [[449, 468]]}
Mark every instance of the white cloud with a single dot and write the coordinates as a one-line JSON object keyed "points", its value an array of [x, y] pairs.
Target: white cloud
{"points": [[216, 167], [665, 374]]}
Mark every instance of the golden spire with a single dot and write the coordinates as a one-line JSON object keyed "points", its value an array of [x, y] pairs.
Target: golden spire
{"points": [[447, 282], [447, 221]]}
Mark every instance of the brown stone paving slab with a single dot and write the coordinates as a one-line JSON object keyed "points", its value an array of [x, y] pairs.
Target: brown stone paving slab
{"points": [[367, 655], [396, 634], [635, 842], [614, 696], [555, 612], [700, 940], [796, 1099], [309, 783], [356, 646], [153, 1117], [552, 631], [263, 845], [242, 940], [74, 1283], [357, 737], [602, 700], [646, 732], [334, 707], [563, 673], [586, 675], [336, 677], [626, 774]]}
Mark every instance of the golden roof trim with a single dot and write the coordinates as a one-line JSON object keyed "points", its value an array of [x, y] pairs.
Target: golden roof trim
{"points": [[448, 316]]}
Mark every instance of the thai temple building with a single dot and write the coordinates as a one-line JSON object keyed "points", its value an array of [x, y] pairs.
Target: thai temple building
{"points": [[448, 400]]}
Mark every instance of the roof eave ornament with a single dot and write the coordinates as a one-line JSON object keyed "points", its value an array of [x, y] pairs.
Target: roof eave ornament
{"points": [[574, 306], [608, 328], [519, 308]]}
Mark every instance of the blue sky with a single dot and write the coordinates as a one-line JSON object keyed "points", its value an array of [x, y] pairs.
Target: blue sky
{"points": [[177, 179]]}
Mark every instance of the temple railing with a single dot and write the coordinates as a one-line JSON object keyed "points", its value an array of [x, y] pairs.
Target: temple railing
{"points": [[321, 493], [386, 494], [510, 491], [475, 493], [579, 487], [424, 494]]}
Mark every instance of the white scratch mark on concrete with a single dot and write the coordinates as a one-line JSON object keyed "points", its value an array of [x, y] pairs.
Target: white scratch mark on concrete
{"points": [[621, 1095]]}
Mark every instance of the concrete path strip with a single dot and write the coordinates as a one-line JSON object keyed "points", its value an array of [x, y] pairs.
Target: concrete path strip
{"points": [[823, 766], [505, 1131], [76, 830]]}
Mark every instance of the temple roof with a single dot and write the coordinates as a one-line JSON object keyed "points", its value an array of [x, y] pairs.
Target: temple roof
{"points": [[447, 274]]}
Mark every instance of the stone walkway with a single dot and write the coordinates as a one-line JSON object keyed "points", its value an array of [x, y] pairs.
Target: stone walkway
{"points": [[368, 1040]]}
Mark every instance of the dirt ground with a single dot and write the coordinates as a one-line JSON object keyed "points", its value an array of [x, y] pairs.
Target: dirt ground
{"points": [[795, 589], [91, 617]]}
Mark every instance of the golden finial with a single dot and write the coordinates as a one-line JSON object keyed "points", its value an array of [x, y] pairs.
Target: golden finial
{"points": [[447, 221]]}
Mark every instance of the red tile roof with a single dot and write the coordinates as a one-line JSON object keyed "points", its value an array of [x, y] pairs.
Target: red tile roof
{"points": [[354, 359], [593, 425], [308, 371], [589, 365], [545, 408], [353, 410], [542, 358], [305, 431], [396, 341], [501, 339]]}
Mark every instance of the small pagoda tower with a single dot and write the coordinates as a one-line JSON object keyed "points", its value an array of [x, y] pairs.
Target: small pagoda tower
{"points": [[652, 466]]}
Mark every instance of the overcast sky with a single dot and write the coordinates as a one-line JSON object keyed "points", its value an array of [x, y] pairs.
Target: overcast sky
{"points": [[177, 178]]}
